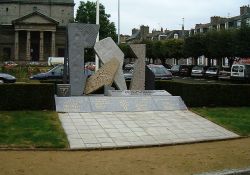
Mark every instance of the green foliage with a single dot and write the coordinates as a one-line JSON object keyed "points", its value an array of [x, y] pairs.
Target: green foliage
{"points": [[199, 95], [27, 97], [194, 46], [21, 72], [243, 42], [86, 13], [235, 119], [31, 129], [128, 53]]}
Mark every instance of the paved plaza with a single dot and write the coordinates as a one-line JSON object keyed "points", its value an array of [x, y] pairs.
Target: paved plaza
{"points": [[138, 129]]}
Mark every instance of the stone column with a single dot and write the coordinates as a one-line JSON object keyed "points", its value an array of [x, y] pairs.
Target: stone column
{"points": [[16, 45], [28, 46], [41, 49], [53, 44]]}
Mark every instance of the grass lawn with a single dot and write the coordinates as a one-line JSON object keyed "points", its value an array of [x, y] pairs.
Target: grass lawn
{"points": [[234, 119], [31, 129]]}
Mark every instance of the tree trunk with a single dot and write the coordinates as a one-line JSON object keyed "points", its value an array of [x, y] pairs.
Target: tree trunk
{"points": [[163, 62], [219, 63]]}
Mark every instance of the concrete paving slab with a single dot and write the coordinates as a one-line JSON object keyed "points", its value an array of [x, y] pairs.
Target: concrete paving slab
{"points": [[133, 129]]}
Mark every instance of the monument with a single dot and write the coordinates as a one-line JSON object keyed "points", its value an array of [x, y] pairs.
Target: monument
{"points": [[80, 36], [107, 49], [104, 76], [138, 78]]}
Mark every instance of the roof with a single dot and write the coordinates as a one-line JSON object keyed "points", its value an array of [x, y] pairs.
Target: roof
{"points": [[39, 1], [134, 36], [33, 14]]}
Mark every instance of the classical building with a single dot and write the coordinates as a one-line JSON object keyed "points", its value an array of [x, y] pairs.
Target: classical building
{"points": [[33, 30]]}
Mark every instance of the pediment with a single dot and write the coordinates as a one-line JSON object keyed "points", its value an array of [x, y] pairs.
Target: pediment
{"points": [[35, 18]]}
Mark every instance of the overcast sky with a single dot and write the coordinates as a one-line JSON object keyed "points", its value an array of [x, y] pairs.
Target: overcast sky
{"points": [[168, 13]]}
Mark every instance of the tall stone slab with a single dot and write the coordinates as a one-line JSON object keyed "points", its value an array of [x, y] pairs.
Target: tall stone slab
{"points": [[107, 49], [104, 76], [138, 77], [80, 36]]}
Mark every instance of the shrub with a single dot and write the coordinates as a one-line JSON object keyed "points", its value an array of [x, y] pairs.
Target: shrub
{"points": [[198, 95], [27, 97]]}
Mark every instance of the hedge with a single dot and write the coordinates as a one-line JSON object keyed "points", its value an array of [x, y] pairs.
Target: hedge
{"points": [[214, 95], [27, 97]]}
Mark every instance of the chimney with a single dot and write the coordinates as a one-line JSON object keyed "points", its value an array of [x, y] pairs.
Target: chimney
{"points": [[244, 10]]}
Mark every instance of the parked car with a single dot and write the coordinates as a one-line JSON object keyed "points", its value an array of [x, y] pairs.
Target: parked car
{"points": [[240, 72], [161, 73], [54, 73], [212, 72], [175, 70], [185, 70], [53, 61], [199, 71], [7, 78], [9, 64]]}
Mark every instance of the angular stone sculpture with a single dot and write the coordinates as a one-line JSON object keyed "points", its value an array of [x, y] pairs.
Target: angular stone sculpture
{"points": [[107, 49], [138, 78], [80, 36], [104, 76]]}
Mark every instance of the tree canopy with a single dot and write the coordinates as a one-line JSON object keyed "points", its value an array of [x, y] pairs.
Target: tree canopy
{"points": [[86, 13]]}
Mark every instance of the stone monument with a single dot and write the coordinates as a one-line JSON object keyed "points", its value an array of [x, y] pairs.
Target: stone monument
{"points": [[138, 77], [104, 76], [80, 36], [107, 49]]}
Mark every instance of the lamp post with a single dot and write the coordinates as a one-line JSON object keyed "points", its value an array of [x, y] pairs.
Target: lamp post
{"points": [[97, 38], [119, 22]]}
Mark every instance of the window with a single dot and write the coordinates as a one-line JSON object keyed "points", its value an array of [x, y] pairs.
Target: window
{"points": [[7, 9], [235, 68], [6, 53], [238, 23], [248, 21]]}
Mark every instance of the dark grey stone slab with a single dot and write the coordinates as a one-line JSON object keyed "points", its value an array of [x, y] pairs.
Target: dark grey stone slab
{"points": [[63, 90], [120, 104], [80, 36], [72, 104], [149, 79], [169, 103], [120, 93]]}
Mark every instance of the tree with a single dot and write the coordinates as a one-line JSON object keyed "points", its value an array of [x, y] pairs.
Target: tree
{"points": [[86, 13], [195, 46]]}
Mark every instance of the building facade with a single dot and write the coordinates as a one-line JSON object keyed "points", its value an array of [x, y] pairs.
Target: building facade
{"points": [[33, 30]]}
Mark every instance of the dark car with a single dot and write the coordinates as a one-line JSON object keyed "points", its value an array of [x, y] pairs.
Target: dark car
{"points": [[7, 78], [161, 73], [199, 71], [54, 73], [185, 70], [175, 70], [212, 72]]}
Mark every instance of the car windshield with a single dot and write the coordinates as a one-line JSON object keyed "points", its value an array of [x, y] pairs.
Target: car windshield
{"points": [[175, 67], [57, 69], [212, 69], [235, 68], [198, 68], [159, 70]]}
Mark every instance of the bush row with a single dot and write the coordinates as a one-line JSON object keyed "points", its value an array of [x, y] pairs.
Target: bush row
{"points": [[199, 95], [41, 96], [27, 97]]}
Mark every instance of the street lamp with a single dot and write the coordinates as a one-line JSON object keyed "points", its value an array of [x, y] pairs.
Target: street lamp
{"points": [[119, 22], [97, 38]]}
